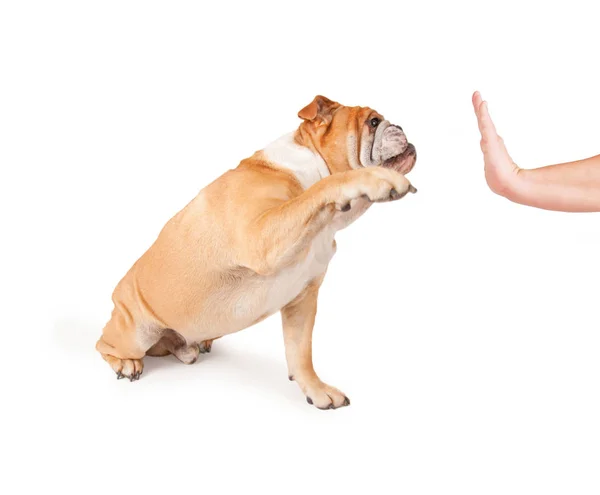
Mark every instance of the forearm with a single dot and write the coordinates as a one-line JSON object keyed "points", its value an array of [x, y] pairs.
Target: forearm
{"points": [[571, 187], [581, 172]]}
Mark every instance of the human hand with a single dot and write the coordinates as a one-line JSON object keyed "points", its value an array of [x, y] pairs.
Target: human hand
{"points": [[501, 173]]}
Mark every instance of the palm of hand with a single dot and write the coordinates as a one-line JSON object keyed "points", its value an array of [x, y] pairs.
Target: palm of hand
{"points": [[500, 170]]}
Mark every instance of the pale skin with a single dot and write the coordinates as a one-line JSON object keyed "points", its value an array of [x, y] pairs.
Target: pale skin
{"points": [[570, 187]]}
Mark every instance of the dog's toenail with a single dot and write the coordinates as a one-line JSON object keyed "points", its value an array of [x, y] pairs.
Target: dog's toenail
{"points": [[346, 207], [290, 378], [346, 401], [396, 195], [309, 400], [412, 189], [119, 375]]}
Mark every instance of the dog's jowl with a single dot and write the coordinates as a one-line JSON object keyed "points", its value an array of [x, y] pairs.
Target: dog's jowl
{"points": [[257, 241]]}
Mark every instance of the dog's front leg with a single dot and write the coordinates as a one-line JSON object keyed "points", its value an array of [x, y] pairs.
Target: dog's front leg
{"points": [[298, 319], [282, 232], [358, 207]]}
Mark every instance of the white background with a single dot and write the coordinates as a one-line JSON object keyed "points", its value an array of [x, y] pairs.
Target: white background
{"points": [[464, 328]]}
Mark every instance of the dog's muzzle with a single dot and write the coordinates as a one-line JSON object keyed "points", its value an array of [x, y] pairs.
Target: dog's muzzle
{"points": [[396, 151]]}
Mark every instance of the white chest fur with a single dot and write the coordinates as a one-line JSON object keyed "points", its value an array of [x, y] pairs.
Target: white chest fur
{"points": [[289, 282], [307, 166]]}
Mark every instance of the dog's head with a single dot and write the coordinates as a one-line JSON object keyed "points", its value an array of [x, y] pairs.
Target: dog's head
{"points": [[354, 137]]}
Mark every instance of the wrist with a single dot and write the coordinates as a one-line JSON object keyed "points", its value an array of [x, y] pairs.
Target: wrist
{"points": [[517, 189], [505, 184]]}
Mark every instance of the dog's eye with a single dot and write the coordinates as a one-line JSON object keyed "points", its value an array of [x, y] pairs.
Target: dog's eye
{"points": [[374, 122]]}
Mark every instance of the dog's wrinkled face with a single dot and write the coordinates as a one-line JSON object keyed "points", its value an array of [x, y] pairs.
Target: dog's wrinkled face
{"points": [[354, 137]]}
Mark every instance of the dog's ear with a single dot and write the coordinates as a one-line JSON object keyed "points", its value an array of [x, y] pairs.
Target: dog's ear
{"points": [[320, 110]]}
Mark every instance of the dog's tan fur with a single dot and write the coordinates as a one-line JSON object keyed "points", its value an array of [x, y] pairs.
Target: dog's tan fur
{"points": [[252, 243]]}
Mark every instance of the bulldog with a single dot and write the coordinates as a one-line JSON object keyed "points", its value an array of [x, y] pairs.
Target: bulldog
{"points": [[257, 241]]}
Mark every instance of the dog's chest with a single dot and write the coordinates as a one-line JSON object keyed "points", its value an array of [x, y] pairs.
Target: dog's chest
{"points": [[289, 282], [252, 299], [259, 296]]}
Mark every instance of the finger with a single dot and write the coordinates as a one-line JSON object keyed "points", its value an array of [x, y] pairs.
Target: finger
{"points": [[486, 125], [486, 121], [479, 119], [476, 99], [477, 103], [494, 143]]}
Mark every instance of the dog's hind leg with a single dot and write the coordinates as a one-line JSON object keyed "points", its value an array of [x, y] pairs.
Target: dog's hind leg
{"points": [[172, 342], [159, 349], [206, 345]]}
